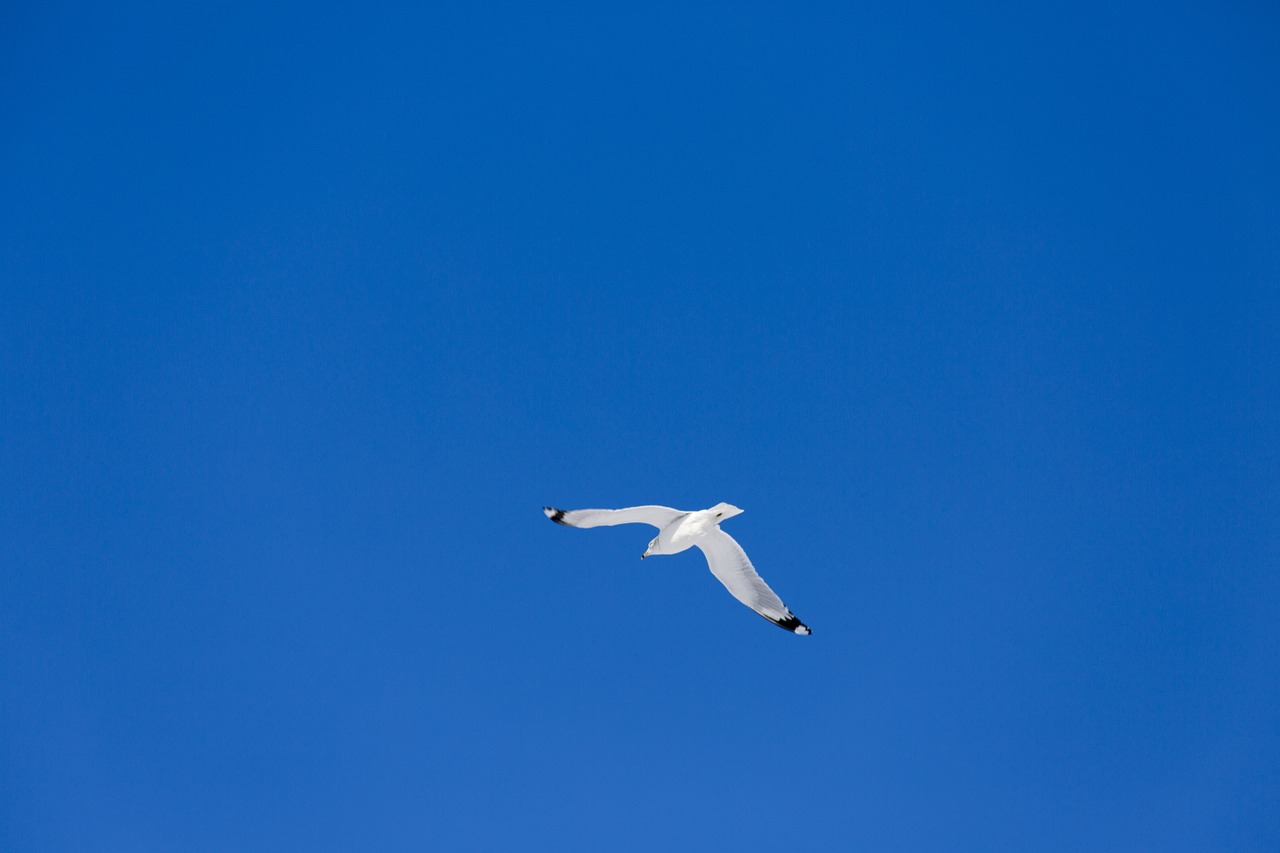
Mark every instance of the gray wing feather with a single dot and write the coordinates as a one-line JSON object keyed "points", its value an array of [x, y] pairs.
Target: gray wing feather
{"points": [[729, 563], [658, 516]]}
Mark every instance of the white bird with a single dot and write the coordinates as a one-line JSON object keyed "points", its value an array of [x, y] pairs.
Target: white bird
{"points": [[678, 531]]}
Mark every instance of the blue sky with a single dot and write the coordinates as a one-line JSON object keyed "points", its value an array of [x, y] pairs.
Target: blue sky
{"points": [[308, 310]]}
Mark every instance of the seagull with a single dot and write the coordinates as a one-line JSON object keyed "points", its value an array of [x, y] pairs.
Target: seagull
{"points": [[678, 531]]}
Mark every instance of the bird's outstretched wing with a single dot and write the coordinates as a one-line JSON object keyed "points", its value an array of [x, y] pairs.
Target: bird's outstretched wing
{"points": [[658, 516], [729, 563]]}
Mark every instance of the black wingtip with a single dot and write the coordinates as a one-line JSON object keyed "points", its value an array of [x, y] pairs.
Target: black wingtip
{"points": [[792, 624], [556, 515]]}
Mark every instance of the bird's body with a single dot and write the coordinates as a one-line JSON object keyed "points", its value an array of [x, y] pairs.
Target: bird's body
{"points": [[679, 531], [683, 533]]}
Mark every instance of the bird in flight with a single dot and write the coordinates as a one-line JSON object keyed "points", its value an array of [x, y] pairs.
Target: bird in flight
{"points": [[678, 531]]}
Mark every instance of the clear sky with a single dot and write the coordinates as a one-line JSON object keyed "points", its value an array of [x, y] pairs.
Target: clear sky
{"points": [[307, 310]]}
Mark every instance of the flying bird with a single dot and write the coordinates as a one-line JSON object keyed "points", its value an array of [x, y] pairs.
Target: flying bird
{"points": [[678, 531]]}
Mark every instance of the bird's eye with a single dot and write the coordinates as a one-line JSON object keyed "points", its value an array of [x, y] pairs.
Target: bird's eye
{"points": [[718, 514]]}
